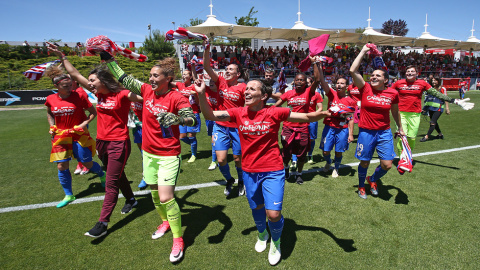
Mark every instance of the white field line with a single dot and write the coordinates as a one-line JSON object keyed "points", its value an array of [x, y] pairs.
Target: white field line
{"points": [[211, 184]]}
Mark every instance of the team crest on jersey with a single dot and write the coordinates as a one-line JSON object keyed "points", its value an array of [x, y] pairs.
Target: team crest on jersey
{"points": [[246, 123]]}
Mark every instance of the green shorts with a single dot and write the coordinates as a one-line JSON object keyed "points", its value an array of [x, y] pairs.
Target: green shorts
{"points": [[410, 123], [162, 171]]}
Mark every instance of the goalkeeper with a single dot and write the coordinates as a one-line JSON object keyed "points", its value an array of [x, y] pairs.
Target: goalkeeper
{"points": [[161, 145]]}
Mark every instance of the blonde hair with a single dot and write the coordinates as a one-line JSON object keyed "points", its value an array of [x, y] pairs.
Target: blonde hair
{"points": [[56, 74], [168, 66]]}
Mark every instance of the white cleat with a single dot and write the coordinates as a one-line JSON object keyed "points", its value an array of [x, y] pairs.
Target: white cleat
{"points": [[335, 173], [261, 244], [274, 255]]}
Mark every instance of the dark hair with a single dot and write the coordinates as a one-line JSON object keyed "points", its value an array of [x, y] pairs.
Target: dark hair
{"points": [[265, 88], [412, 66], [270, 70], [243, 74], [385, 74], [338, 77], [104, 75], [438, 79]]}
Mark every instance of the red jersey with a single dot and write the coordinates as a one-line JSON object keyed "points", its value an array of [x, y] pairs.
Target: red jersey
{"points": [[137, 108], [186, 92], [112, 117], [212, 98], [354, 93], [153, 141], [298, 103], [317, 98], [376, 107], [229, 97], [410, 94], [335, 100], [83, 94], [259, 137], [68, 112]]}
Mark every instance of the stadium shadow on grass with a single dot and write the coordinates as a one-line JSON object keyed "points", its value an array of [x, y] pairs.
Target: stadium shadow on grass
{"points": [[144, 206], [196, 219], [201, 154], [289, 237]]}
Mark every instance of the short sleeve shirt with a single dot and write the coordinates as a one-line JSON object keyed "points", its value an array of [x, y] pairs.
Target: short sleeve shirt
{"points": [[112, 117], [297, 102], [376, 107], [410, 94], [68, 112], [229, 97], [335, 100]]}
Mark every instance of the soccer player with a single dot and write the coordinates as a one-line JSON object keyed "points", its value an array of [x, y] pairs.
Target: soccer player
{"points": [[113, 140], [374, 126], [410, 93], [186, 88], [434, 108], [263, 172], [231, 95], [338, 131], [161, 145], [68, 128], [295, 136]]}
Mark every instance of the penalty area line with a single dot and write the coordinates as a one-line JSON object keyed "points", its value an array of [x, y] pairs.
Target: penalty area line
{"points": [[211, 184]]}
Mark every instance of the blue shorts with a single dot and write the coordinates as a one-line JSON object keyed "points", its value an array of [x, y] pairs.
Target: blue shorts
{"points": [[313, 130], [369, 140], [194, 129], [334, 137], [137, 135], [209, 124], [82, 154], [265, 188], [223, 136]]}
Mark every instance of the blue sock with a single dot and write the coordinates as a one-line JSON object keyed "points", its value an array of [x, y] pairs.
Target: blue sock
{"points": [[240, 174], [214, 154], [225, 170], [185, 140], [362, 174], [328, 159], [193, 145], [66, 181], [260, 219], [294, 158], [312, 146], [97, 169], [276, 228], [379, 172], [141, 152], [338, 160]]}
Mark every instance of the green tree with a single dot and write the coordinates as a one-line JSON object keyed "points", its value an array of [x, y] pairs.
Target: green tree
{"points": [[248, 20], [156, 47], [398, 27], [359, 30]]}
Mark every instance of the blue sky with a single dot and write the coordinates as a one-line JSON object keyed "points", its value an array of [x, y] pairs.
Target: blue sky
{"points": [[122, 21]]}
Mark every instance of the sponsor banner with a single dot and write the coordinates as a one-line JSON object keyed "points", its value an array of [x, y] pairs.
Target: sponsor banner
{"points": [[31, 97]]}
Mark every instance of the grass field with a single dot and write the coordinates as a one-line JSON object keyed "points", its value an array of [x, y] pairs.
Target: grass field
{"points": [[429, 219]]}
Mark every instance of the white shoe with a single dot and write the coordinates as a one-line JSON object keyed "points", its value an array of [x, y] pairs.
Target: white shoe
{"points": [[192, 159], [310, 160], [78, 170], [274, 255], [213, 166], [261, 244], [326, 168], [293, 166], [335, 173]]}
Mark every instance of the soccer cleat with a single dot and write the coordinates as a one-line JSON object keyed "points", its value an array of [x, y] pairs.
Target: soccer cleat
{"points": [[241, 188], [84, 171], [299, 180], [293, 166], [287, 173], [310, 159], [440, 137], [129, 204], [98, 230], [274, 255], [261, 244], [103, 179], [361, 193], [192, 159], [213, 166], [373, 186], [228, 187], [78, 170], [335, 173], [68, 199], [161, 230], [424, 139], [177, 250], [326, 168], [142, 184]]}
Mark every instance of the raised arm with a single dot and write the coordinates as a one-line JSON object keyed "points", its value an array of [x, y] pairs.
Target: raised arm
{"points": [[206, 63], [68, 66], [357, 78], [308, 117], [128, 81], [316, 75], [323, 83], [205, 108]]}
